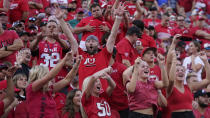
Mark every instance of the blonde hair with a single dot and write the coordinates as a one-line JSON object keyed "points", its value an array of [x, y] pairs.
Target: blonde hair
{"points": [[37, 72]]}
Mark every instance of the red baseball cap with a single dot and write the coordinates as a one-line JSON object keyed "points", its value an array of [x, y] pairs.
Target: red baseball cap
{"points": [[149, 49]]}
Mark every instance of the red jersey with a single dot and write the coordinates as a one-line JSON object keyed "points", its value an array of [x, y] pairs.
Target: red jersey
{"points": [[17, 7], [60, 99], [155, 73], [96, 107], [49, 53], [93, 63], [62, 74], [197, 114], [151, 22], [131, 7], [1, 108], [93, 22], [147, 41], [126, 51], [119, 91], [40, 104], [7, 39]]}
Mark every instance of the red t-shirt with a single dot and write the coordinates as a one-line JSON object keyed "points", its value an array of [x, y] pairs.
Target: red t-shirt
{"points": [[40, 104], [151, 22], [7, 39], [70, 16], [155, 73], [17, 7], [131, 7], [1, 108], [147, 41], [199, 115], [163, 32], [96, 107], [60, 99], [119, 91], [126, 51], [93, 22], [49, 53], [93, 63], [21, 110]]}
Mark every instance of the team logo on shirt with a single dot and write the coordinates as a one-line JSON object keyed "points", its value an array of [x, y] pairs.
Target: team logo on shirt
{"points": [[90, 62], [153, 78]]}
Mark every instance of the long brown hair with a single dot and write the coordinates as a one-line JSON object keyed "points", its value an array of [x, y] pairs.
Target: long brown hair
{"points": [[69, 105]]}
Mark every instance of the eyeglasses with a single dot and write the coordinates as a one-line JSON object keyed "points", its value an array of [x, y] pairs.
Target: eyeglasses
{"points": [[32, 19]]}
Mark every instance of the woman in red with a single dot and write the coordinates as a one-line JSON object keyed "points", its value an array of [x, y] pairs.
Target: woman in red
{"points": [[72, 105], [94, 99], [143, 93], [179, 95], [39, 100]]}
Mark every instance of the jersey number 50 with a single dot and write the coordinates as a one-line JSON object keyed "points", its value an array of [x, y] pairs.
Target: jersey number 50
{"points": [[50, 60], [104, 109]]}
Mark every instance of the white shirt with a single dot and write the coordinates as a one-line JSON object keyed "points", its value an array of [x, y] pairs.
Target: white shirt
{"points": [[187, 63]]}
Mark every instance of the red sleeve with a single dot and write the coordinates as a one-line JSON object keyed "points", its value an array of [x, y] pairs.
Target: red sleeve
{"points": [[82, 23], [86, 102], [193, 30], [1, 108], [14, 35], [106, 54], [24, 6]]}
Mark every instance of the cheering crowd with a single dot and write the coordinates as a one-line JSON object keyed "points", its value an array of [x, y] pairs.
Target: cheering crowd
{"points": [[104, 59]]}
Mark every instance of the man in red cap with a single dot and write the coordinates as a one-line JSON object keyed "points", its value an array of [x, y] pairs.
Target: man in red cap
{"points": [[93, 25]]}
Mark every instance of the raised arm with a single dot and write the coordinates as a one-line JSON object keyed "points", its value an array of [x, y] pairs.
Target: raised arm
{"points": [[69, 77], [131, 85], [65, 28], [194, 86], [111, 40], [164, 82], [5, 53], [172, 75], [38, 84]]}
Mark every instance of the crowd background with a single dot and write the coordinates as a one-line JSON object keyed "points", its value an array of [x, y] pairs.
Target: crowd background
{"points": [[104, 58]]}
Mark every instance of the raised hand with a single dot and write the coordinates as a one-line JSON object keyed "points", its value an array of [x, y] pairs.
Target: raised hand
{"points": [[120, 10], [176, 38], [10, 71], [161, 59], [105, 76], [68, 56], [137, 64]]}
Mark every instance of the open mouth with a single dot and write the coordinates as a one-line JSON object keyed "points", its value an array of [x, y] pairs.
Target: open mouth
{"points": [[180, 75], [146, 72], [98, 88]]}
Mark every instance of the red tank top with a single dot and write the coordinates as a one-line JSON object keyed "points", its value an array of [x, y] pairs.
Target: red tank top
{"points": [[178, 100], [144, 96]]}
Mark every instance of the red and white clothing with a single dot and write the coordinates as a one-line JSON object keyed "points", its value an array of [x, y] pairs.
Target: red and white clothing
{"points": [[163, 32], [97, 22], [17, 7], [60, 99], [96, 107], [186, 4], [21, 110], [40, 104], [49, 53], [197, 114], [7, 39], [145, 96], [155, 73], [119, 91], [126, 51], [1, 108], [93, 63], [131, 7]]}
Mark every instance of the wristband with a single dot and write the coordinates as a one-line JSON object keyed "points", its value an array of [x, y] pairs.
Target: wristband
{"points": [[5, 48]]}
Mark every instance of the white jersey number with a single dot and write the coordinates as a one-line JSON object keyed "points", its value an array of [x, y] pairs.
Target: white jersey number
{"points": [[104, 109], [50, 60]]}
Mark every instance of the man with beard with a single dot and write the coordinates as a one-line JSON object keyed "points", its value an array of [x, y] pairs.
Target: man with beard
{"points": [[93, 25], [94, 59], [201, 98]]}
